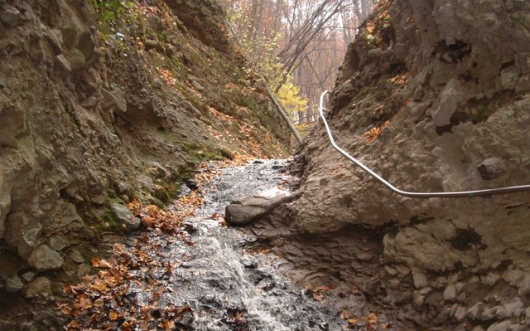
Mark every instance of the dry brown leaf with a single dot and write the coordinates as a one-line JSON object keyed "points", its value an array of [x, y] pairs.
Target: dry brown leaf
{"points": [[96, 262], [83, 302], [73, 325], [64, 308], [99, 286], [113, 315]]}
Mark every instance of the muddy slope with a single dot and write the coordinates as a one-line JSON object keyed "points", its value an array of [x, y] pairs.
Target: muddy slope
{"points": [[100, 106], [433, 95]]}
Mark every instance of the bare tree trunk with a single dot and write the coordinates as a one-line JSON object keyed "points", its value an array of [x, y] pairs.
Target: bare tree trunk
{"points": [[251, 32], [277, 15], [259, 20]]}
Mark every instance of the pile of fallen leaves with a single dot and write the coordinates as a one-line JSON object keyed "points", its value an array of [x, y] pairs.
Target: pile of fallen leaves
{"points": [[108, 300]]}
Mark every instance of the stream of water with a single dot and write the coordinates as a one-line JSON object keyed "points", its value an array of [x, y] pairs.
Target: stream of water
{"points": [[226, 287]]}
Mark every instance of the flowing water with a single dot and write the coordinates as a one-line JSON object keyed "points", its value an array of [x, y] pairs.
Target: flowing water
{"points": [[226, 287]]}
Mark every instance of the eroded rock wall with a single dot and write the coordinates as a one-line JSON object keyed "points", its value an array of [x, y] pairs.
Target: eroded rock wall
{"points": [[96, 114], [434, 96]]}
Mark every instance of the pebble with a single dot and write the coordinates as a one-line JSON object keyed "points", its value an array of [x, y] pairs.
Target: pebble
{"points": [[14, 284], [186, 265], [474, 312], [28, 276], [76, 256], [449, 293], [420, 280], [460, 313]]}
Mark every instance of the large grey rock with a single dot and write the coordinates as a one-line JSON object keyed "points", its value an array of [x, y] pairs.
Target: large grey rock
{"points": [[125, 217], [158, 171], [420, 280], [247, 210], [44, 258]]}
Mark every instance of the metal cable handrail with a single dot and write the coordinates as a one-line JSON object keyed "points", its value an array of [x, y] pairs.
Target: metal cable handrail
{"points": [[455, 194]]}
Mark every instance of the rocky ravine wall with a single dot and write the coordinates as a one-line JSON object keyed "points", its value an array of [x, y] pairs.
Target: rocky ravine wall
{"points": [[95, 115], [433, 95]]}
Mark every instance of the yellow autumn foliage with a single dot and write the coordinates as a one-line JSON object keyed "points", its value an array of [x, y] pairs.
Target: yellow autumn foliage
{"points": [[290, 99]]}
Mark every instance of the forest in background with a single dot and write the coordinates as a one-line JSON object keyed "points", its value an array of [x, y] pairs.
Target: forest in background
{"points": [[297, 45]]}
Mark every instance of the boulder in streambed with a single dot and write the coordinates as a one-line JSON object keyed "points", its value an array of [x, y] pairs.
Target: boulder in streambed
{"points": [[250, 209], [125, 217]]}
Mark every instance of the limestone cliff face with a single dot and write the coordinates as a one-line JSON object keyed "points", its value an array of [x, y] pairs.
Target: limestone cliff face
{"points": [[93, 115], [434, 96]]}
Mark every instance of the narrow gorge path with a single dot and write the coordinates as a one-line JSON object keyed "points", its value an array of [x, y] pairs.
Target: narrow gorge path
{"points": [[189, 271]]}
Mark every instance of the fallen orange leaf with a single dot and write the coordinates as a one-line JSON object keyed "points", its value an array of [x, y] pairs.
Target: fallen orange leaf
{"points": [[113, 315]]}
